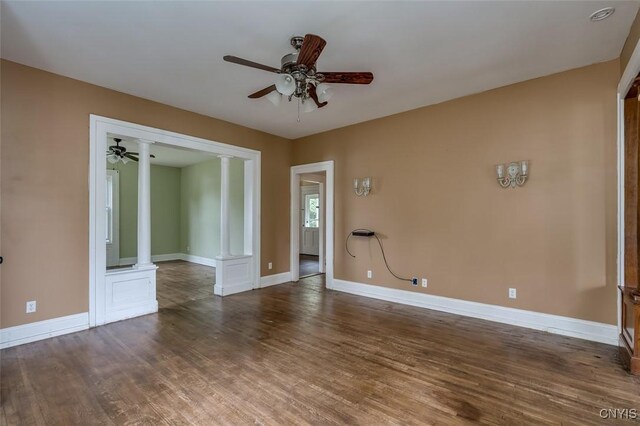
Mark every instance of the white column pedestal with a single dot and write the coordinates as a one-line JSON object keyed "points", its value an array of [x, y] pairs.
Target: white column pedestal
{"points": [[234, 274]]}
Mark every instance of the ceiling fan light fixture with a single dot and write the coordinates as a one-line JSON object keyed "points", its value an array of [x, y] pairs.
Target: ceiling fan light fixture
{"points": [[324, 92], [112, 158], [285, 84], [125, 160], [274, 97]]}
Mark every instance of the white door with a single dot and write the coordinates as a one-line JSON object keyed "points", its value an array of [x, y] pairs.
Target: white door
{"points": [[113, 218], [310, 232]]}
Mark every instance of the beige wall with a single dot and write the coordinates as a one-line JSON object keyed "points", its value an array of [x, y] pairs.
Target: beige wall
{"points": [[442, 215], [45, 198], [630, 43]]}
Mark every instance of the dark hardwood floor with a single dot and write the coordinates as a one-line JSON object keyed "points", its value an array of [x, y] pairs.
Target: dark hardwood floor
{"points": [[299, 354], [309, 265]]}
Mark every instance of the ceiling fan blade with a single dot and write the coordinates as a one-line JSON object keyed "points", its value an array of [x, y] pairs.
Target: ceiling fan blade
{"points": [[311, 49], [313, 95], [136, 153], [246, 63], [131, 157], [347, 77], [261, 93]]}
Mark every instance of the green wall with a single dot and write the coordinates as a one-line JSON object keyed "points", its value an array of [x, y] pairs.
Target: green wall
{"points": [[200, 208], [165, 209], [185, 208]]}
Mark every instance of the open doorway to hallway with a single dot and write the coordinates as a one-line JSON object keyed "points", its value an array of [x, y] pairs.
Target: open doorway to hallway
{"points": [[322, 175], [312, 236]]}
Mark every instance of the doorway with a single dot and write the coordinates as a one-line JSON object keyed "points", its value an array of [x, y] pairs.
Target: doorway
{"points": [[312, 220], [312, 238]]}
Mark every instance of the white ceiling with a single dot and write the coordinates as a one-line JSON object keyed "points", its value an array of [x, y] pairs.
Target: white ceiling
{"points": [[421, 53], [166, 155]]}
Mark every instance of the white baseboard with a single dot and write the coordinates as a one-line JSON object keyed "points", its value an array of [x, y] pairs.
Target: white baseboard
{"points": [[232, 289], [21, 334], [198, 259], [582, 329], [172, 256], [275, 279], [132, 311]]}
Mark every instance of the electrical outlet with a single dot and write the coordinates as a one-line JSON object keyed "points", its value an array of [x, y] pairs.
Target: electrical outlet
{"points": [[369, 274], [270, 265], [188, 249], [31, 306], [424, 282], [414, 281], [512, 293]]}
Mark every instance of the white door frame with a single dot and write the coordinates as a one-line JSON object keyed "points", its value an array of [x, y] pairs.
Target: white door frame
{"points": [[99, 128], [304, 191], [328, 168], [629, 75]]}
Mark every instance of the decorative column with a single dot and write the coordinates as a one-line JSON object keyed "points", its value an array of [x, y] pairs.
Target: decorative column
{"points": [[233, 273], [225, 237], [144, 205]]}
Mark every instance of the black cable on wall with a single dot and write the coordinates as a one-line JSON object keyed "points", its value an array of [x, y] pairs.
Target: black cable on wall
{"points": [[384, 257]]}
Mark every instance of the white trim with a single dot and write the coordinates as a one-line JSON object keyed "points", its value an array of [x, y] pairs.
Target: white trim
{"points": [[321, 260], [124, 261], [21, 334], [132, 311], [99, 128], [206, 261], [275, 279], [582, 329], [232, 289], [296, 171]]}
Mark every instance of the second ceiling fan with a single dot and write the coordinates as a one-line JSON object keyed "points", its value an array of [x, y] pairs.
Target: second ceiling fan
{"points": [[298, 77]]}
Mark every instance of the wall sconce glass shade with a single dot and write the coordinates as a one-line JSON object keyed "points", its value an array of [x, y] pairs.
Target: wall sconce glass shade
{"points": [[517, 174], [274, 97], [324, 92], [362, 186], [285, 84]]}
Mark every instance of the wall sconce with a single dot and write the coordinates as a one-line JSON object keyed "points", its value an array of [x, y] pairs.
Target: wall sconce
{"points": [[362, 186], [517, 174]]}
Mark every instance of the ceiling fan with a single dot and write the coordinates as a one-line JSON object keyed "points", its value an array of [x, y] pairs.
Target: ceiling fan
{"points": [[117, 153], [297, 76]]}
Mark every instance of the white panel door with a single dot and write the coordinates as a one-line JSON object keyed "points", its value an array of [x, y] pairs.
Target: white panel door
{"points": [[113, 218], [310, 212]]}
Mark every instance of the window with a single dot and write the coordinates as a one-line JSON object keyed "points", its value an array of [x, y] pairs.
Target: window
{"points": [[311, 206], [109, 204]]}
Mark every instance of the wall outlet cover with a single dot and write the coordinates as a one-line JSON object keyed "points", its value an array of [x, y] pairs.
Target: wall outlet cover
{"points": [[424, 282], [369, 274], [31, 306], [270, 265], [512, 293]]}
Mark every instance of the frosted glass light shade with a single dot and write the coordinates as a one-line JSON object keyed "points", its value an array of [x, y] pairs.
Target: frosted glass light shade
{"points": [[274, 97], [125, 160], [309, 106], [113, 159], [324, 92], [285, 84]]}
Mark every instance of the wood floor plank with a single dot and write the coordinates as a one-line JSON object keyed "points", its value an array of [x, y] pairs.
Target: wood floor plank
{"points": [[300, 354]]}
